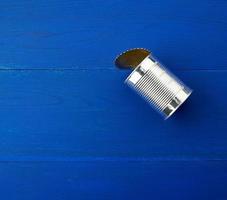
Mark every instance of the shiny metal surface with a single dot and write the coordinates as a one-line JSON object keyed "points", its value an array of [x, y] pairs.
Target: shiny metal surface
{"points": [[156, 85]]}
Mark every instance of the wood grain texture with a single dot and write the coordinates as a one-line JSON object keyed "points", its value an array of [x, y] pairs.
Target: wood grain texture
{"points": [[89, 34], [69, 127], [114, 180], [93, 115]]}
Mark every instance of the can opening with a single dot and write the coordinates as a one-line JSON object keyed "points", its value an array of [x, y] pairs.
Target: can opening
{"points": [[131, 59]]}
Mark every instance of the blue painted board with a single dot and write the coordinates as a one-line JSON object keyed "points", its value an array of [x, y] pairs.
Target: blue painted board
{"points": [[70, 128], [88, 34], [114, 180], [61, 115]]}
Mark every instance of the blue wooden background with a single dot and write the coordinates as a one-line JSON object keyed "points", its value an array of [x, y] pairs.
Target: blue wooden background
{"points": [[70, 128]]}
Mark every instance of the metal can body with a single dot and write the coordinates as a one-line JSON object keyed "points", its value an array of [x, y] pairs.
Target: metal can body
{"points": [[158, 86]]}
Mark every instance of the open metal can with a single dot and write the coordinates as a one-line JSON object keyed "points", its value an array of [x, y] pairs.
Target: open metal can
{"points": [[153, 81]]}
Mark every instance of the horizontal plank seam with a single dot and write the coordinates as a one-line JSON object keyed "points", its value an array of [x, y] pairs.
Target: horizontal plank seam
{"points": [[110, 159], [96, 69]]}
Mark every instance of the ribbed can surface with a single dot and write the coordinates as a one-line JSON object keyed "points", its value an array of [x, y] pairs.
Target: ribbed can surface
{"points": [[158, 86]]}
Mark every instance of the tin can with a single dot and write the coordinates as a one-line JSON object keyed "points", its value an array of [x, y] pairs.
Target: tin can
{"points": [[160, 88]]}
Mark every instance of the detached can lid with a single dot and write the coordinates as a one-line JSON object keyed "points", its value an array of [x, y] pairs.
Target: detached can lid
{"points": [[132, 58]]}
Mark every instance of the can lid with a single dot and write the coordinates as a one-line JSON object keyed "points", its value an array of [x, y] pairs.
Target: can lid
{"points": [[130, 59]]}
